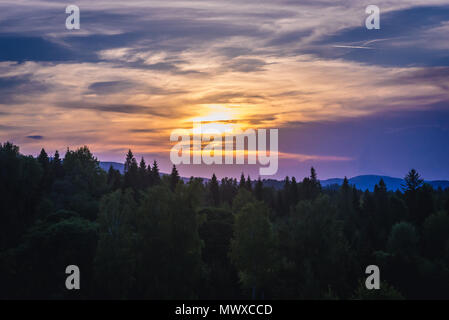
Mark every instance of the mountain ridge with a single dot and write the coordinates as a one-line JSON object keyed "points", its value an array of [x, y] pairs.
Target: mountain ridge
{"points": [[362, 182]]}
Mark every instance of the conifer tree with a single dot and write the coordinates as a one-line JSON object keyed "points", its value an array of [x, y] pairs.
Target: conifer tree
{"points": [[214, 190], [174, 178]]}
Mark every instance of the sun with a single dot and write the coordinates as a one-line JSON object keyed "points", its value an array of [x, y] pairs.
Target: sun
{"points": [[221, 118]]}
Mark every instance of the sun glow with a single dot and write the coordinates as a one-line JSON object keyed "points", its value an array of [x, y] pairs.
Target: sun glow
{"points": [[224, 119]]}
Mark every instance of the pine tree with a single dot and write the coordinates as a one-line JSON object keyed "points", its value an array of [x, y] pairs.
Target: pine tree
{"points": [[258, 190], [293, 192], [155, 175], [129, 160], [43, 159], [413, 181], [174, 178], [345, 185], [249, 184], [214, 190], [242, 183], [313, 176], [56, 164], [143, 174], [114, 179], [316, 185], [131, 172]]}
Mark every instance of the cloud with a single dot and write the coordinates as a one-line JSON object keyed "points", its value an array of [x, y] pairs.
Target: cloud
{"points": [[115, 108], [108, 87], [35, 137], [135, 72], [14, 88], [413, 36]]}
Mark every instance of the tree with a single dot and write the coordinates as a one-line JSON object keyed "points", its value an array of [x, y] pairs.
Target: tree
{"points": [[222, 279], [156, 178], [59, 240], [47, 178], [214, 190], [436, 235], [258, 190], [20, 193], [403, 239], [293, 192], [413, 181], [114, 179], [169, 247], [143, 174], [43, 159], [174, 178], [116, 250], [249, 184], [418, 196], [253, 248], [313, 176], [311, 186], [56, 164], [242, 183], [131, 179], [314, 252]]}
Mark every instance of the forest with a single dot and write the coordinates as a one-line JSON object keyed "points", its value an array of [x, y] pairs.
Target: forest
{"points": [[147, 235]]}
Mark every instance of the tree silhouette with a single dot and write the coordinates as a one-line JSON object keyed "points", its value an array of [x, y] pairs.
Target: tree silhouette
{"points": [[214, 190], [174, 178], [413, 181]]}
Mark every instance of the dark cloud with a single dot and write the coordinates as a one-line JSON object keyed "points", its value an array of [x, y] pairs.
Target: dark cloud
{"points": [[121, 86], [12, 89], [117, 108], [35, 137], [436, 76], [107, 87], [143, 130], [229, 97]]}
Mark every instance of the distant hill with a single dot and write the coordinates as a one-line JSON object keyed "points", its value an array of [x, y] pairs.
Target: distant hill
{"points": [[362, 182], [368, 182], [116, 165]]}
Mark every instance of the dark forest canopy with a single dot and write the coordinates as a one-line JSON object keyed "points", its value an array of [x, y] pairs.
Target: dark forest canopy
{"points": [[152, 236]]}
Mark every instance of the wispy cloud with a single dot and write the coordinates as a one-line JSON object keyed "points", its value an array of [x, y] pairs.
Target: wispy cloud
{"points": [[134, 72]]}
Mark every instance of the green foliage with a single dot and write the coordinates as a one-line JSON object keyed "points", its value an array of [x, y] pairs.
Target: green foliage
{"points": [[311, 241], [20, 178], [253, 247], [36, 268], [403, 239], [115, 258], [386, 292], [169, 257], [436, 235], [221, 278], [139, 236]]}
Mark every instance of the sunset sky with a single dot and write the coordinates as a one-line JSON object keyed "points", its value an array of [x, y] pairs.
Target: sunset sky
{"points": [[345, 99]]}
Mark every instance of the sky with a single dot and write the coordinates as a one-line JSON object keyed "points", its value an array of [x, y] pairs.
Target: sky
{"points": [[345, 99]]}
